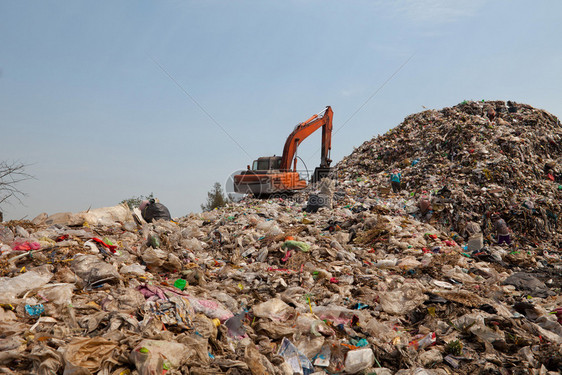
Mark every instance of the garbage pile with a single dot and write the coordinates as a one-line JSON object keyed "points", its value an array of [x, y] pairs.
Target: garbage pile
{"points": [[363, 285], [473, 159]]}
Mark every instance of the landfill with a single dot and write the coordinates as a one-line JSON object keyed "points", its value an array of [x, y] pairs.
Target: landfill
{"points": [[372, 281]]}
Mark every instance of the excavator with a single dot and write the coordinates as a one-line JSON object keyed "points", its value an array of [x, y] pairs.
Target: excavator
{"points": [[271, 175]]}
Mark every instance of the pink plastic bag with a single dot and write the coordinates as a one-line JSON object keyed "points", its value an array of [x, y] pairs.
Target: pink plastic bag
{"points": [[25, 245]]}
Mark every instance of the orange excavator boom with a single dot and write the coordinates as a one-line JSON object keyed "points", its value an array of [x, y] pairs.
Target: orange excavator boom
{"points": [[302, 131]]}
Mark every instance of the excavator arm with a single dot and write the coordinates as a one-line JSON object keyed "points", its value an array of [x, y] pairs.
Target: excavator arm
{"points": [[302, 131]]}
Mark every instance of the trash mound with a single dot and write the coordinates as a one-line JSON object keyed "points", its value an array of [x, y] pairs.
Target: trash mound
{"points": [[362, 284], [472, 159]]}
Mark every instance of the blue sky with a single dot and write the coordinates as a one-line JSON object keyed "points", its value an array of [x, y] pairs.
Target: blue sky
{"points": [[85, 104]]}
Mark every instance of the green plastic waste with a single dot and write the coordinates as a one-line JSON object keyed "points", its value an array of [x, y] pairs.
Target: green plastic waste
{"points": [[166, 365], [180, 284], [359, 342], [154, 241], [296, 245]]}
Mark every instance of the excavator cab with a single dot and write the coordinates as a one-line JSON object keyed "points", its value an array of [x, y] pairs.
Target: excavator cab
{"points": [[267, 163], [265, 178]]}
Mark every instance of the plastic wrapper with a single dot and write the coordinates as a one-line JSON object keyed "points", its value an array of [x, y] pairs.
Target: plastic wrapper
{"points": [[298, 361], [424, 341], [323, 357]]}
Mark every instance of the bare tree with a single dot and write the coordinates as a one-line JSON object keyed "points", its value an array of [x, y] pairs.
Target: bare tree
{"points": [[11, 174]]}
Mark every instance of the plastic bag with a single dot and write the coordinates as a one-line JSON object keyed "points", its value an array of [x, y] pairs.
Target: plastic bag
{"points": [[194, 244], [475, 243], [154, 257], [87, 354], [46, 360], [22, 245], [205, 327], [191, 231], [403, 299], [337, 359], [134, 269], [358, 360], [152, 357], [197, 349], [274, 309], [21, 232], [155, 211], [59, 294], [235, 325], [12, 288], [104, 215], [93, 270], [310, 346], [270, 228], [212, 309]]}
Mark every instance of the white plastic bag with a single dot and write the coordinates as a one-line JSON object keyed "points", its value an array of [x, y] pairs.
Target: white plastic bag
{"points": [[11, 288]]}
